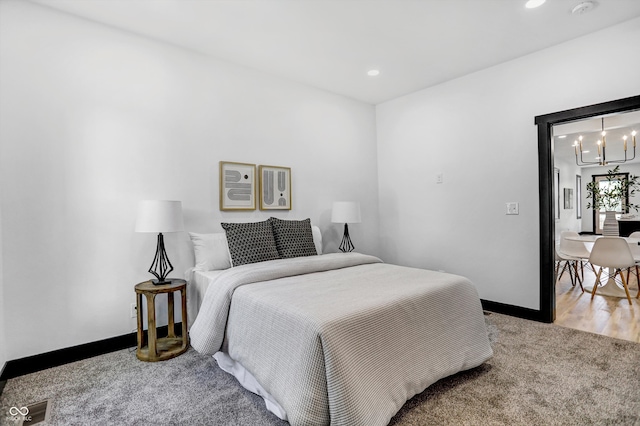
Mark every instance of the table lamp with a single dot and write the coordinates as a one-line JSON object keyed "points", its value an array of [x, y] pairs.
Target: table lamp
{"points": [[160, 216], [345, 212]]}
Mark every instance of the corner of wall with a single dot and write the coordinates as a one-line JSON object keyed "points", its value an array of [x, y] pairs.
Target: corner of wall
{"points": [[3, 343]]}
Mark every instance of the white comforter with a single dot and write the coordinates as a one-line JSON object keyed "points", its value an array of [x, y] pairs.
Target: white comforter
{"points": [[342, 339]]}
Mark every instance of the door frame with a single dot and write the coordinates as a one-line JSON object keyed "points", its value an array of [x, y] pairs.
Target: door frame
{"points": [[545, 124]]}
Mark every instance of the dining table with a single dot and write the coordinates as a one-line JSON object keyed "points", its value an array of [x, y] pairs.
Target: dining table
{"points": [[611, 287]]}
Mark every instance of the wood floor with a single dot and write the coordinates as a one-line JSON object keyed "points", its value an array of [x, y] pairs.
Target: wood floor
{"points": [[610, 316]]}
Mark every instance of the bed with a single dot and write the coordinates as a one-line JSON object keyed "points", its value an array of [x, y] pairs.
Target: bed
{"points": [[341, 338]]}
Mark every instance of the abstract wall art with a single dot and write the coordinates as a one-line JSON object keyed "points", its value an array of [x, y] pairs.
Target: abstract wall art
{"points": [[237, 186], [275, 188]]}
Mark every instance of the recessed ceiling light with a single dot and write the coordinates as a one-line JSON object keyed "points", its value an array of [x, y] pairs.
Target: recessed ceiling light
{"points": [[373, 73], [531, 4], [562, 137]]}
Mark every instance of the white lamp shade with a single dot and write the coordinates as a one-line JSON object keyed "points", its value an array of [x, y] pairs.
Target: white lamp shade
{"points": [[159, 216], [345, 212]]}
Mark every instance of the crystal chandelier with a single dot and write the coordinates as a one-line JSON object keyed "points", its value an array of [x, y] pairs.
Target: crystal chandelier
{"points": [[602, 150]]}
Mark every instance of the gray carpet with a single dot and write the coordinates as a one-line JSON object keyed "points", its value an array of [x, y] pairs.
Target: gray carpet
{"points": [[540, 374]]}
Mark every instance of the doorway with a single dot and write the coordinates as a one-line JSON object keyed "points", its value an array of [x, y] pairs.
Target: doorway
{"points": [[546, 176]]}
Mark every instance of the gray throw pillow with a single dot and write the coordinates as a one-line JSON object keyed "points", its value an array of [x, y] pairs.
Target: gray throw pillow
{"points": [[250, 242], [294, 238]]}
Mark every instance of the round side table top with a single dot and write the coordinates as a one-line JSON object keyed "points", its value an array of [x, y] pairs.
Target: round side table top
{"points": [[150, 287]]}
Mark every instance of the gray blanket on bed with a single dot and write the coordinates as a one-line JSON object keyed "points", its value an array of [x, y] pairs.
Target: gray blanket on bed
{"points": [[342, 339]]}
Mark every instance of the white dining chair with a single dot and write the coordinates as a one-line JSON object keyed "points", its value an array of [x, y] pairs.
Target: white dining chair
{"points": [[613, 253], [575, 253], [559, 261], [635, 252]]}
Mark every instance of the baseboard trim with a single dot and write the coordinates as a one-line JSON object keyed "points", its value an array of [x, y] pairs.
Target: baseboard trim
{"points": [[34, 363], [512, 310], [31, 364]]}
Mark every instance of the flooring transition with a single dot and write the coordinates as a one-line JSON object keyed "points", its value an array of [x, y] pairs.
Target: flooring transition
{"points": [[540, 374], [605, 315]]}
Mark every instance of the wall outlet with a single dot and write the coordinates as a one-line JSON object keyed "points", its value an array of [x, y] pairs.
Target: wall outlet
{"points": [[134, 310], [513, 208], [439, 177]]}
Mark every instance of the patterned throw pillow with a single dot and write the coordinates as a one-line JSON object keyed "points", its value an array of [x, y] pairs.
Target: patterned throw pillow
{"points": [[294, 238], [250, 242]]}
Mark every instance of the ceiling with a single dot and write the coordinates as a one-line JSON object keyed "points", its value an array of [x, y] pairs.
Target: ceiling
{"points": [[331, 44]]}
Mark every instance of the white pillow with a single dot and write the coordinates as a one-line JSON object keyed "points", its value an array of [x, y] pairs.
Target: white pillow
{"points": [[317, 238], [211, 250]]}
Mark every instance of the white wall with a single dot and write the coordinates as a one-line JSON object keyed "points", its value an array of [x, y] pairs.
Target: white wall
{"points": [[95, 119], [568, 217], [479, 131]]}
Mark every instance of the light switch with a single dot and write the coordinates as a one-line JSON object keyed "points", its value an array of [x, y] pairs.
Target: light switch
{"points": [[513, 208]]}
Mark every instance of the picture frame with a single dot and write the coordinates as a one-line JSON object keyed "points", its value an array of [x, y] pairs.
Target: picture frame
{"points": [[237, 186], [275, 188], [578, 197], [568, 198]]}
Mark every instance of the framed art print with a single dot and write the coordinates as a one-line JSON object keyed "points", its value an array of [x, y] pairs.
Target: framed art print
{"points": [[275, 188], [568, 198], [237, 186], [578, 197]]}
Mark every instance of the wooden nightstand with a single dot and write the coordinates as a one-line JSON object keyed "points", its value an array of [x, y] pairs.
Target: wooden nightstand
{"points": [[159, 349]]}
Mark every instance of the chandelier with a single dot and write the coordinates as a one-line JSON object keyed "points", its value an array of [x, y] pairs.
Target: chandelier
{"points": [[602, 150]]}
